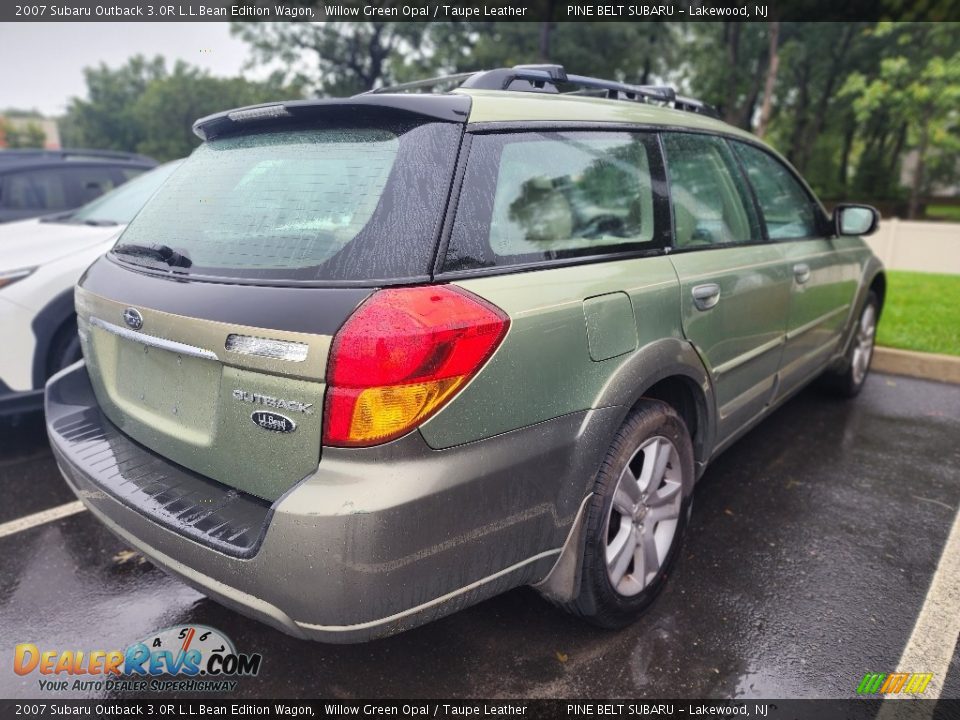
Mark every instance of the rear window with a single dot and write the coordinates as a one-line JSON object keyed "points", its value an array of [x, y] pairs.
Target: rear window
{"points": [[303, 204], [530, 197]]}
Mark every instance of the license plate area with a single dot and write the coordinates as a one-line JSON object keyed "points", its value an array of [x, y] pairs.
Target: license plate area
{"points": [[173, 393]]}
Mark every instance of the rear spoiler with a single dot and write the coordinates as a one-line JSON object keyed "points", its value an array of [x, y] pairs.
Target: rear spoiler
{"points": [[436, 108]]}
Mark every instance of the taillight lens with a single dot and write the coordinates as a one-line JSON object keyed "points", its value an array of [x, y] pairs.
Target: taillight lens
{"points": [[401, 356]]}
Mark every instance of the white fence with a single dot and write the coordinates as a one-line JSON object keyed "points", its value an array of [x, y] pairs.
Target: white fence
{"points": [[917, 245]]}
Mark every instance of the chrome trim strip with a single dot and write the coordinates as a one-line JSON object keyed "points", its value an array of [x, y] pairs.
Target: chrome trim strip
{"points": [[748, 356], [797, 331], [151, 341]]}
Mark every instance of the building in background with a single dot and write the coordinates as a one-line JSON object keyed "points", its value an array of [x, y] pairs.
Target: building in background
{"points": [[22, 132]]}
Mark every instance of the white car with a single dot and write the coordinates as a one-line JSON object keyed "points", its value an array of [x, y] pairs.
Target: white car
{"points": [[40, 261]]}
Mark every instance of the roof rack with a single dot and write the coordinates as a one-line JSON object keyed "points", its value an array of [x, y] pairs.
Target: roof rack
{"points": [[550, 78]]}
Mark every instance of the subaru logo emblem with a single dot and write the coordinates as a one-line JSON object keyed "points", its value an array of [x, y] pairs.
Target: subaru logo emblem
{"points": [[133, 318]]}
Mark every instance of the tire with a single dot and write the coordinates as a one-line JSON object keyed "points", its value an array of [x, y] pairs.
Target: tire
{"points": [[613, 592], [849, 381], [64, 348]]}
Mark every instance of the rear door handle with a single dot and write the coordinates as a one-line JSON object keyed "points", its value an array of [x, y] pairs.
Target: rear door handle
{"points": [[801, 271], [706, 296]]}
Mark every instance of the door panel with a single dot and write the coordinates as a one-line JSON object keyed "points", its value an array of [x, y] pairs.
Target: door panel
{"points": [[824, 280], [740, 338], [734, 288]]}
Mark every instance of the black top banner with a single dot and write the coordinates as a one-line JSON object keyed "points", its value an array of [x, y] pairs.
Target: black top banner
{"points": [[480, 10]]}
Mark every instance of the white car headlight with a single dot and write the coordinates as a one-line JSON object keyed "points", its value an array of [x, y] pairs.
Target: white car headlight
{"points": [[8, 277]]}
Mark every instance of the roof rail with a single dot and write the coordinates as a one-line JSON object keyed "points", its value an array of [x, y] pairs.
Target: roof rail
{"points": [[74, 154], [550, 78]]}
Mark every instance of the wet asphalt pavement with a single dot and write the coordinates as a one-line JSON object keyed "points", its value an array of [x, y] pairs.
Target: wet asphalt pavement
{"points": [[808, 558]]}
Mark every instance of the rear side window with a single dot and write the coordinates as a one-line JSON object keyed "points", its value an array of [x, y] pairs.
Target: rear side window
{"points": [[788, 210], [537, 196], [304, 204], [711, 201]]}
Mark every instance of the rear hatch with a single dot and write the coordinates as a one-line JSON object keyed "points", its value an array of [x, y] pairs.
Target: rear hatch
{"points": [[206, 329]]}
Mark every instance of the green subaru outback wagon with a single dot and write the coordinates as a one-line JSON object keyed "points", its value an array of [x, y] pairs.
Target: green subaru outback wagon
{"points": [[362, 362]]}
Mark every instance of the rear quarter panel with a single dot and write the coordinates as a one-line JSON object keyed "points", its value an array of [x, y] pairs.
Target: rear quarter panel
{"points": [[544, 367]]}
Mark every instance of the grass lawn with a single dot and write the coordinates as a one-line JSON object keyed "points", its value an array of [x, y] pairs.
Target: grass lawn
{"points": [[921, 312], [943, 212]]}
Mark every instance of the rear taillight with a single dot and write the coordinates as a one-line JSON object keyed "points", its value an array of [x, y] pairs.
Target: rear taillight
{"points": [[401, 356]]}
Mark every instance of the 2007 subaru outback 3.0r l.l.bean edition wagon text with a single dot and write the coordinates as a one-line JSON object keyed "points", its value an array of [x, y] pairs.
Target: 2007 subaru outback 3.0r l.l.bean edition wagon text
{"points": [[360, 363]]}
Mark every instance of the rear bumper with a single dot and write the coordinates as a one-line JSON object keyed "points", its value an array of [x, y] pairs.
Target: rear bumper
{"points": [[375, 542]]}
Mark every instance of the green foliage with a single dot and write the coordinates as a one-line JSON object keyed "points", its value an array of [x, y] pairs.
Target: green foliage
{"points": [[921, 312], [19, 135], [146, 108], [634, 52], [915, 88], [346, 58]]}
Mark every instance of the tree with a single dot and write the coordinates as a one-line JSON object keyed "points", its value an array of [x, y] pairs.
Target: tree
{"points": [[143, 107], [725, 64], [105, 118], [165, 112], [917, 95], [633, 52], [346, 58], [768, 87]]}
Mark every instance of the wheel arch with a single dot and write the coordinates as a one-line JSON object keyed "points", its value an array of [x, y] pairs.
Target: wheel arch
{"points": [[46, 325], [879, 286], [669, 370]]}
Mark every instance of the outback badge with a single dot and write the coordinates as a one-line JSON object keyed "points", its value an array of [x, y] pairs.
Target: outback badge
{"points": [[273, 421]]}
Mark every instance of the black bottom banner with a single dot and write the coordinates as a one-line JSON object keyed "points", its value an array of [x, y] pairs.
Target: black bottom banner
{"points": [[852, 709]]}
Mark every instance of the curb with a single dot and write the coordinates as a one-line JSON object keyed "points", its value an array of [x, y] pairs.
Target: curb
{"points": [[929, 366]]}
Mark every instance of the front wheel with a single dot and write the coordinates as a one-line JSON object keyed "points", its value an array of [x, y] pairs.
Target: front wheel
{"points": [[637, 516], [850, 381]]}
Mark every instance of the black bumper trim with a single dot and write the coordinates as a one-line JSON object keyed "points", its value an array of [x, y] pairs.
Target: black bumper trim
{"points": [[86, 443], [13, 402]]}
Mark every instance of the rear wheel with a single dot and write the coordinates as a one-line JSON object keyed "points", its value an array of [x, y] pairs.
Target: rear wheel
{"points": [[850, 381], [637, 516]]}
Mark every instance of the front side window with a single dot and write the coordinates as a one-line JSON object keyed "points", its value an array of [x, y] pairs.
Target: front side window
{"points": [[711, 202], [789, 212], [537, 196]]}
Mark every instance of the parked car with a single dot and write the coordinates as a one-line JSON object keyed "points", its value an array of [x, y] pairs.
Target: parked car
{"points": [[40, 182], [363, 362], [40, 262]]}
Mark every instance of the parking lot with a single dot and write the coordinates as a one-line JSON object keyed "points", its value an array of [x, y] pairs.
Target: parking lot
{"points": [[809, 557]]}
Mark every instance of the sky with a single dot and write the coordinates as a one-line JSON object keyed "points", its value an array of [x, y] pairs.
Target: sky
{"points": [[43, 62]]}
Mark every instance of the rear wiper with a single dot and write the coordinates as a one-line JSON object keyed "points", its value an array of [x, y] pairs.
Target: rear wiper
{"points": [[163, 253]]}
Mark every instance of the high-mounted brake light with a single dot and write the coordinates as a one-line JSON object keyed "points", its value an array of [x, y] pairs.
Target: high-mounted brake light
{"points": [[401, 356]]}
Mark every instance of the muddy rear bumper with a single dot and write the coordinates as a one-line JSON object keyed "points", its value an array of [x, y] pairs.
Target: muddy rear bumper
{"points": [[376, 541]]}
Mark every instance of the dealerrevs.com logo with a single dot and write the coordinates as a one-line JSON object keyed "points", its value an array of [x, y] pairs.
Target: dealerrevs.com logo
{"points": [[191, 658]]}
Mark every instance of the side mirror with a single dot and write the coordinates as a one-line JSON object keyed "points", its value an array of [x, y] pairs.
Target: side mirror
{"points": [[855, 220]]}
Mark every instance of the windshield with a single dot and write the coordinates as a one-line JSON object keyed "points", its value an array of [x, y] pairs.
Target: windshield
{"points": [[301, 204], [119, 206]]}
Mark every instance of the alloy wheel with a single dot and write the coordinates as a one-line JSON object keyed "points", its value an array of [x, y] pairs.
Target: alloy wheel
{"points": [[863, 343], [644, 515]]}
